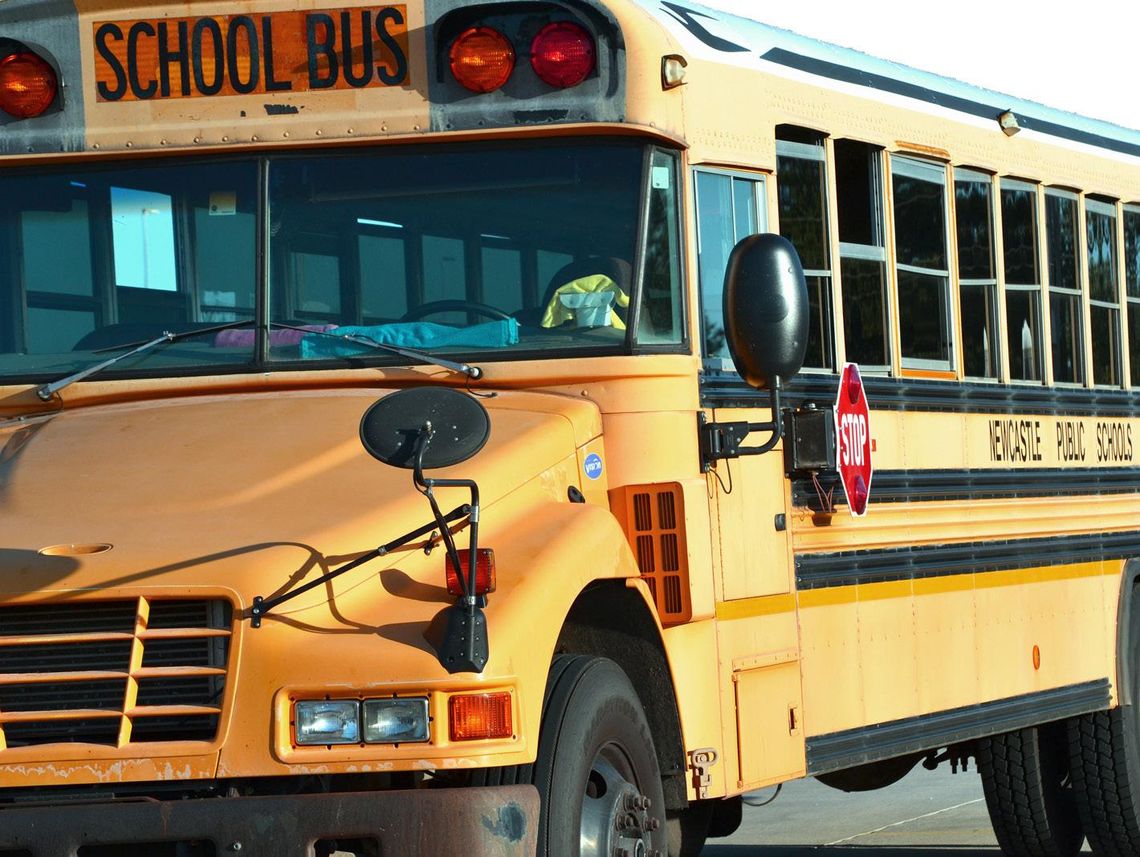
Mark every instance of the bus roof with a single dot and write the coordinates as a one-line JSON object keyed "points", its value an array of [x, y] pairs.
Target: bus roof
{"points": [[731, 39]]}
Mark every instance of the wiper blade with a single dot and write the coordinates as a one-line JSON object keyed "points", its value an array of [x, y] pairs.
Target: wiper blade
{"points": [[472, 372], [48, 390]]}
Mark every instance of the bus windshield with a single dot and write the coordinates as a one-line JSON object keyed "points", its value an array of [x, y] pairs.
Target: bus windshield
{"points": [[504, 252]]}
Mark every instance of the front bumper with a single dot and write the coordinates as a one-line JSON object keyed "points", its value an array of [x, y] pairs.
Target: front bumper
{"points": [[492, 822]]}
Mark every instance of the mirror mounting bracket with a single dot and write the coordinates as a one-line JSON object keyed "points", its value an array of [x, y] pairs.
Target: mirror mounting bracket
{"points": [[724, 440]]}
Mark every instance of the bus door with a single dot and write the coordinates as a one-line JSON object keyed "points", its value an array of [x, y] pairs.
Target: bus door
{"points": [[757, 628]]}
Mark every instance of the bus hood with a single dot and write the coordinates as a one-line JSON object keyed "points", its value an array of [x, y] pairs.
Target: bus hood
{"points": [[251, 494]]}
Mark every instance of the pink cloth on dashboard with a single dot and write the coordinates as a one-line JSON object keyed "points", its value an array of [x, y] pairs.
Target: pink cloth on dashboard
{"points": [[244, 338]]}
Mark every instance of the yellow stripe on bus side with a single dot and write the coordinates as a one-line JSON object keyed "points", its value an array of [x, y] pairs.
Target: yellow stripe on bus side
{"points": [[747, 608]]}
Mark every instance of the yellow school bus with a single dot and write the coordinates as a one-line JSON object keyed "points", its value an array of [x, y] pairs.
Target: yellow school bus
{"points": [[526, 426]]}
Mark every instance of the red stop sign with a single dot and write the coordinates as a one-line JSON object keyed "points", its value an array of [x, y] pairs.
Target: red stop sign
{"points": [[853, 439]]}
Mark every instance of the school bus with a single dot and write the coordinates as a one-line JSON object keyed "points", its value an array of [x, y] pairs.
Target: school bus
{"points": [[526, 426]]}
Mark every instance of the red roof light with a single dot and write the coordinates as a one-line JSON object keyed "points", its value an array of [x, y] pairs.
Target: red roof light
{"points": [[562, 54], [28, 85]]}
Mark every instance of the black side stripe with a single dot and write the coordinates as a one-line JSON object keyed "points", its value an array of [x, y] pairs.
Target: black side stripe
{"points": [[883, 83], [848, 568], [852, 747], [911, 486], [726, 389]]}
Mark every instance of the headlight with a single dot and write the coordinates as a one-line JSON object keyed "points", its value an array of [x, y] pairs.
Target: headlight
{"points": [[327, 722], [396, 721]]}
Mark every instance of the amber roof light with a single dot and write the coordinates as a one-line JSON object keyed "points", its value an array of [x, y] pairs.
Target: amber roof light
{"points": [[482, 59], [28, 85]]}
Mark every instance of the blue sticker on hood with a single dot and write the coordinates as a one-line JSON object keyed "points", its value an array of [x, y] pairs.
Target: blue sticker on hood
{"points": [[593, 465]]}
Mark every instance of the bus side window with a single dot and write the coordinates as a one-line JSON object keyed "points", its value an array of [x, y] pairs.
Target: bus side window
{"points": [[503, 285], [1132, 286], [977, 273], [313, 272], [1104, 311], [382, 256], [445, 268], [1022, 279], [801, 176], [142, 225], [147, 284], [922, 264], [53, 252], [224, 270], [1062, 245], [729, 207], [862, 253]]}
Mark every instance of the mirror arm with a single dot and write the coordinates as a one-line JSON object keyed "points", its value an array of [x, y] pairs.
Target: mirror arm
{"points": [[723, 440], [463, 647], [262, 606]]}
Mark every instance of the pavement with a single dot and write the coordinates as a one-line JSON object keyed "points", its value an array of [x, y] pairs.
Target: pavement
{"points": [[925, 813]]}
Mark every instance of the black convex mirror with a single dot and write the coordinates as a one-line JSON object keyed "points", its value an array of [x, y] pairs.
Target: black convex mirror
{"points": [[459, 426], [766, 309]]}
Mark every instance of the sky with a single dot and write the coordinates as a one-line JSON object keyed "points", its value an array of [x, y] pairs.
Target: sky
{"points": [[1075, 56]]}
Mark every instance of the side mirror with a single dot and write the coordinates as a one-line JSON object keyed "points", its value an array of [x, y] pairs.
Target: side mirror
{"points": [[421, 428], [458, 427], [766, 309]]}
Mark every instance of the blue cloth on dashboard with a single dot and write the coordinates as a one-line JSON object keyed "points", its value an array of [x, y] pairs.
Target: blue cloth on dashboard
{"points": [[422, 335]]}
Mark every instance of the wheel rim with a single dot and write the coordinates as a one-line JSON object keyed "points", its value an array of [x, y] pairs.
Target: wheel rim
{"points": [[616, 821]]}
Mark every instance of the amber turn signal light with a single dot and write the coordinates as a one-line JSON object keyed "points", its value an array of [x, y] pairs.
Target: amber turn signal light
{"points": [[482, 59], [475, 716], [484, 572]]}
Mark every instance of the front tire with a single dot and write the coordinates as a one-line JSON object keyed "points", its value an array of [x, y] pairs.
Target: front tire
{"points": [[596, 769]]}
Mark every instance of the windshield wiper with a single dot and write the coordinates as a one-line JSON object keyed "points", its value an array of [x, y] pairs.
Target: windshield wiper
{"points": [[48, 390], [472, 372]]}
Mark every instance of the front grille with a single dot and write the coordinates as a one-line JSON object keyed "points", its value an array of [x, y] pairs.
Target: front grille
{"points": [[113, 672]]}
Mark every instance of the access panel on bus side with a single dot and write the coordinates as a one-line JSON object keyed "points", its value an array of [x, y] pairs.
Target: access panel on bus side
{"points": [[757, 629]]}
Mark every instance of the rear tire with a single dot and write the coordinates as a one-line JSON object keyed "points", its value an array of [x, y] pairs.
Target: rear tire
{"points": [[1029, 795], [1105, 758]]}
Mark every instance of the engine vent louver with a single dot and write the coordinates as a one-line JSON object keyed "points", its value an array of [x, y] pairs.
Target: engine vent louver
{"points": [[113, 672], [653, 517]]}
